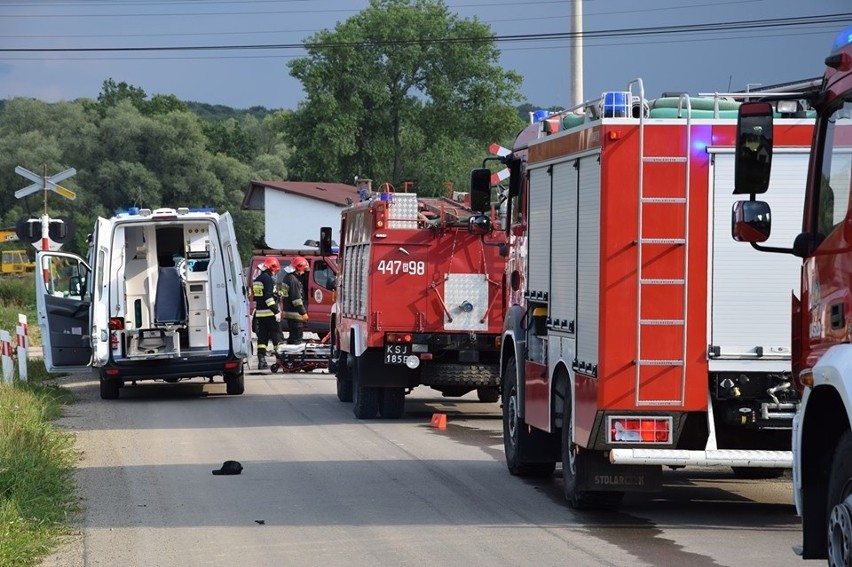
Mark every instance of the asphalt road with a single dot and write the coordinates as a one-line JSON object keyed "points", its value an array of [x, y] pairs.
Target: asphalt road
{"points": [[319, 487]]}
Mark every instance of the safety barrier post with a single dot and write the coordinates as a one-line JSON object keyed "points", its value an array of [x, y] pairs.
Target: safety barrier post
{"points": [[23, 347], [6, 356]]}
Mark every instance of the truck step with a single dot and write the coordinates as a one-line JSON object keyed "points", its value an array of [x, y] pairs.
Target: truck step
{"points": [[719, 457]]}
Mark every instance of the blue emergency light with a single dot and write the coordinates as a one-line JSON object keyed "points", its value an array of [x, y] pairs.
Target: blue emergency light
{"points": [[843, 39]]}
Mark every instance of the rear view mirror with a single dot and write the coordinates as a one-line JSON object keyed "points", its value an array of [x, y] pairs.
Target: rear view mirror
{"points": [[325, 242], [753, 157], [480, 190], [751, 221]]}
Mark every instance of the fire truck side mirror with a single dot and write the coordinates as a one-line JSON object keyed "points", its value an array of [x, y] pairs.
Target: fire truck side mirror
{"points": [[480, 189], [325, 242], [753, 156], [751, 221]]}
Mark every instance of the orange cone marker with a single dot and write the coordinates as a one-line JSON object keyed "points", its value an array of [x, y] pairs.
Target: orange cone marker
{"points": [[439, 420]]}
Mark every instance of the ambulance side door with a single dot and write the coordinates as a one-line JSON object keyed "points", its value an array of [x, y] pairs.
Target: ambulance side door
{"points": [[64, 301]]}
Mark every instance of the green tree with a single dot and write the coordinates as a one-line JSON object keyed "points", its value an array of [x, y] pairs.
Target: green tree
{"points": [[401, 82]]}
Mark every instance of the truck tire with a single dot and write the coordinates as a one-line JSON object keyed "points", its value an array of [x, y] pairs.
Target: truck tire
{"points": [[516, 436], [365, 399], [109, 388], [235, 383], [840, 503], [488, 395], [392, 403], [343, 377], [572, 461]]}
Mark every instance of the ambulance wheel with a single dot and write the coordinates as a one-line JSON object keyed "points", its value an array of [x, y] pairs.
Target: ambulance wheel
{"points": [[392, 403], [344, 377], [235, 383], [488, 395], [109, 388], [840, 504], [517, 438], [274, 367], [573, 461], [365, 398]]}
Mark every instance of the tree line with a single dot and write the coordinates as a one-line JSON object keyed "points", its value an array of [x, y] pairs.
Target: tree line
{"points": [[404, 90]]}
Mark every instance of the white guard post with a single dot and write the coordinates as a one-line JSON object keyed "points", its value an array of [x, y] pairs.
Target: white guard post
{"points": [[6, 356], [23, 347]]}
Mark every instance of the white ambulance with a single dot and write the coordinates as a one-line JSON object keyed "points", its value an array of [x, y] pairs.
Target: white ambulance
{"points": [[160, 297]]}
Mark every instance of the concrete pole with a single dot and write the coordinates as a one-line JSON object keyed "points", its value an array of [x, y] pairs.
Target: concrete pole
{"points": [[576, 60]]}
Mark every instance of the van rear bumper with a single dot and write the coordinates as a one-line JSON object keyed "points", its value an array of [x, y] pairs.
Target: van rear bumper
{"points": [[182, 367]]}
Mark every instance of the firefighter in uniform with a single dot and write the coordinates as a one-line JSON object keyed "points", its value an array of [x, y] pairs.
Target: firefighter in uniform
{"points": [[266, 310], [295, 303]]}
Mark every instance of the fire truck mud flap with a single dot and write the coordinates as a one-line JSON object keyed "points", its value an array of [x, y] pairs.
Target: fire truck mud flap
{"points": [[599, 475]]}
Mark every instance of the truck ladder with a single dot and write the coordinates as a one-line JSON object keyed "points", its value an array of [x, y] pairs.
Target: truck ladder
{"points": [[677, 196]]}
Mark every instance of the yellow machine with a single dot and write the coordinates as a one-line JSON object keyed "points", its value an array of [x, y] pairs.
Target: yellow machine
{"points": [[16, 262]]}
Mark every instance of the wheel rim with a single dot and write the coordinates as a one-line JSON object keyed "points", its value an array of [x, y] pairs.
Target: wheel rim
{"points": [[840, 530], [569, 451], [512, 409]]}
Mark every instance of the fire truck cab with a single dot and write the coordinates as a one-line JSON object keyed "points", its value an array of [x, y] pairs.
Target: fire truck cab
{"points": [[822, 316], [631, 341]]}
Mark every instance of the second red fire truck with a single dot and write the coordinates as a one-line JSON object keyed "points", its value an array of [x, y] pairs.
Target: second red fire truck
{"points": [[637, 334], [419, 299]]}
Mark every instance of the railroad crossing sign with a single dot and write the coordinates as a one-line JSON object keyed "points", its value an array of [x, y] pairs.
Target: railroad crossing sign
{"points": [[45, 183]]}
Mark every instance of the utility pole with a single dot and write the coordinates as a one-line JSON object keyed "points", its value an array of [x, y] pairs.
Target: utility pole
{"points": [[576, 59]]}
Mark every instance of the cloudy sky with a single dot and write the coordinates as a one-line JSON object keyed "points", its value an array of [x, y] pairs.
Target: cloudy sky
{"points": [[749, 42]]}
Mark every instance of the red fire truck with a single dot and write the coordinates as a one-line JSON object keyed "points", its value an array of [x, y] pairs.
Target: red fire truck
{"points": [[631, 341], [822, 332], [419, 300]]}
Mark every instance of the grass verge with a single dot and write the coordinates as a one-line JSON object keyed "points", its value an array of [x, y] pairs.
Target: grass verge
{"points": [[37, 460]]}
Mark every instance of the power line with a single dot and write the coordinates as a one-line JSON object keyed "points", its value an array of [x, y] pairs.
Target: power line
{"points": [[558, 36]]}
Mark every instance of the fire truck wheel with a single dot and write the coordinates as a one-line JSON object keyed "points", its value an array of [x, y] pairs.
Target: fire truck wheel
{"points": [[488, 395], [572, 461], [109, 388], [392, 403], [365, 400], [235, 383], [344, 377], [517, 438], [840, 504]]}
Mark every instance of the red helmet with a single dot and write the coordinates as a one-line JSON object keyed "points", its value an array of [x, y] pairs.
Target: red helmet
{"points": [[299, 264], [272, 264]]}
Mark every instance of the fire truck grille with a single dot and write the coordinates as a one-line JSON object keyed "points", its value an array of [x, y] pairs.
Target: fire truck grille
{"points": [[460, 374]]}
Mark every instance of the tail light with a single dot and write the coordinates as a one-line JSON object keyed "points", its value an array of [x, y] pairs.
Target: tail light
{"points": [[116, 324], [398, 338], [634, 429]]}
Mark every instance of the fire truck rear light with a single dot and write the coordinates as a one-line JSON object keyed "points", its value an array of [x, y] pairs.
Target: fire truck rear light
{"points": [[398, 338], [498, 342], [425, 356], [624, 429], [613, 135], [116, 324]]}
